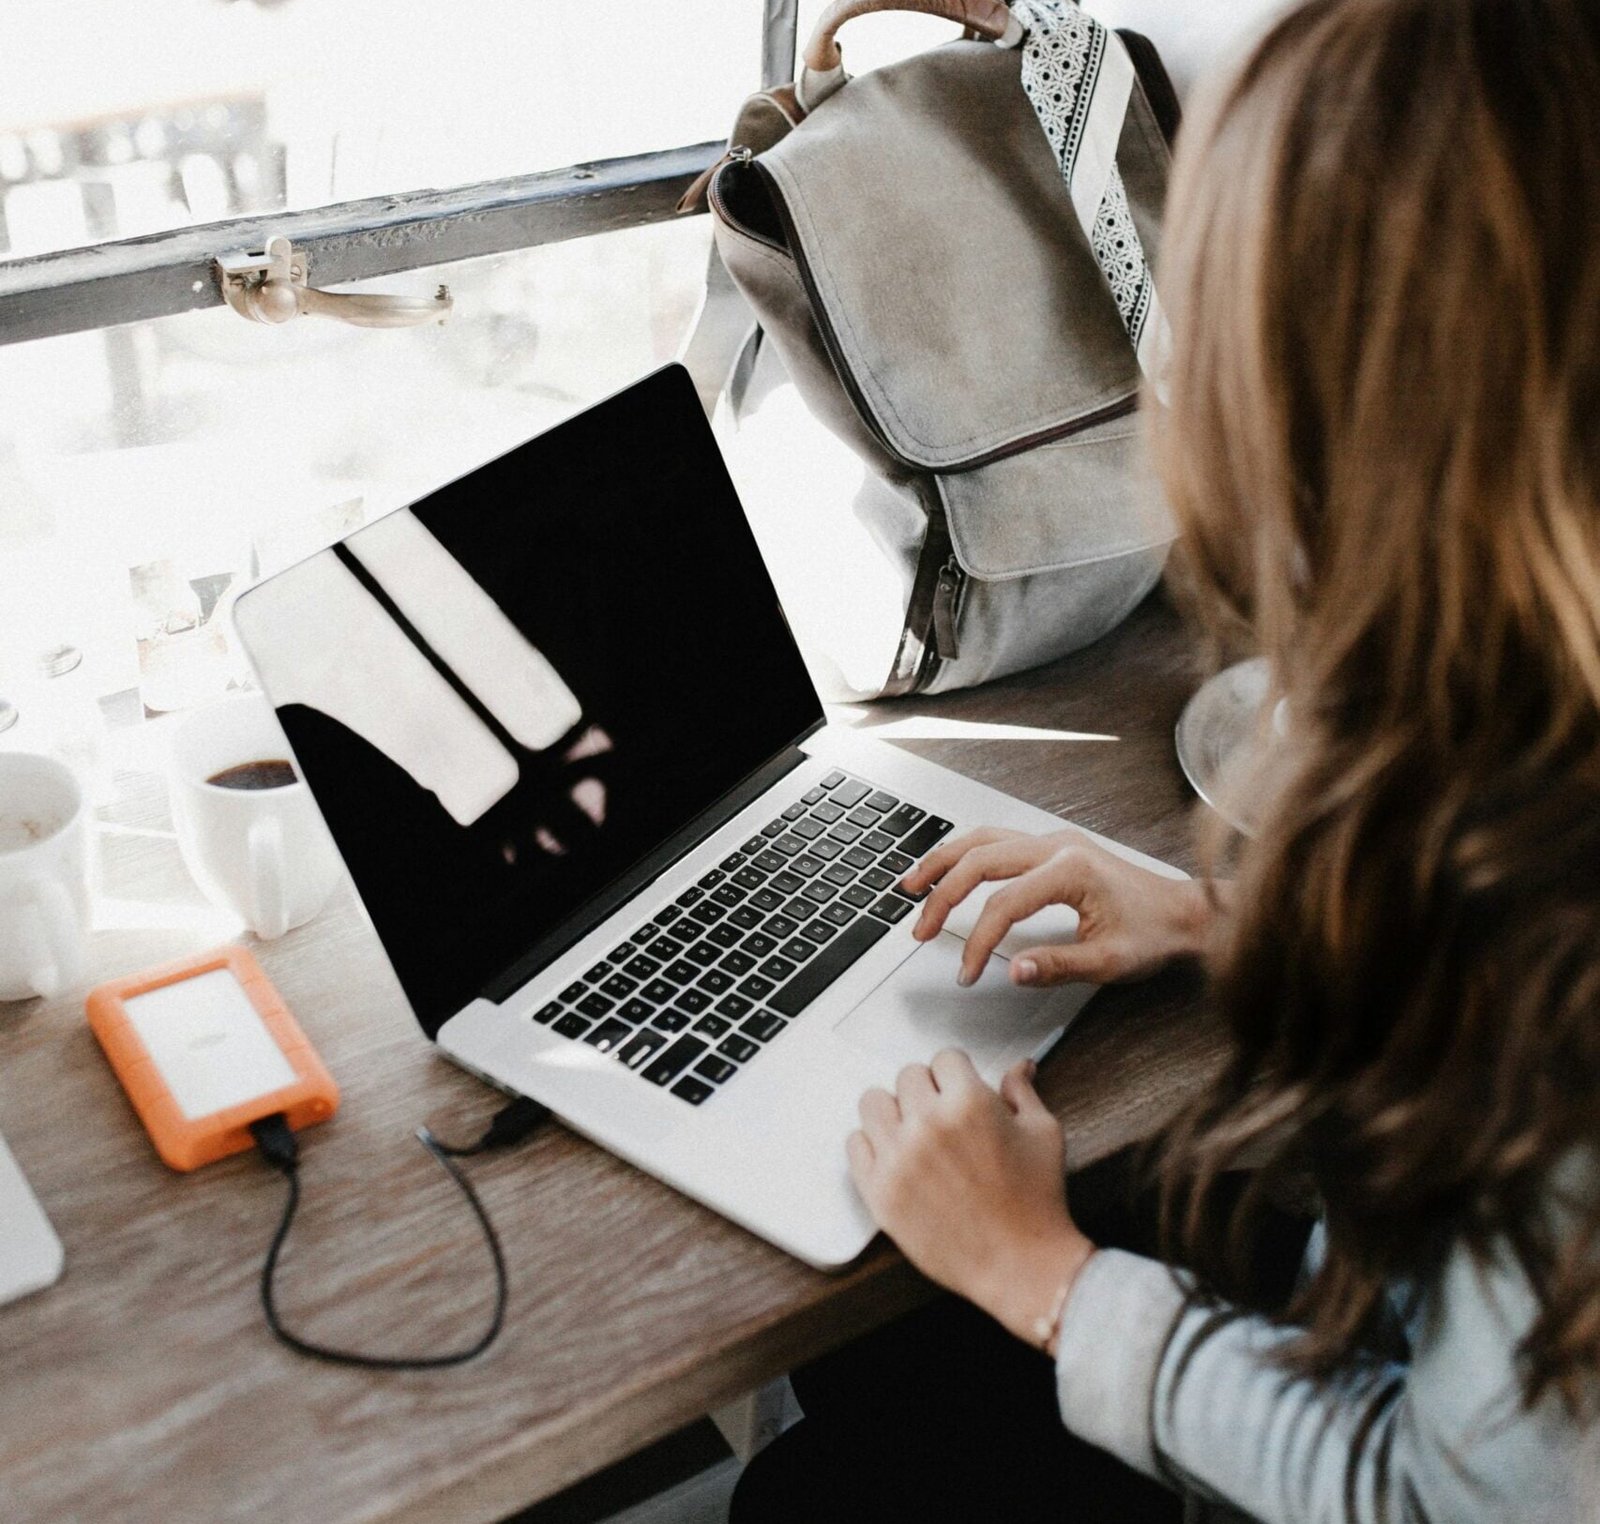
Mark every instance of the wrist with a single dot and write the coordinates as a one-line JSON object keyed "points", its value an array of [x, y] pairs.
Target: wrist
{"points": [[1194, 912], [1032, 1284]]}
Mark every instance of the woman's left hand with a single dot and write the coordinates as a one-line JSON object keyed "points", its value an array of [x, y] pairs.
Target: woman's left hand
{"points": [[970, 1183]]}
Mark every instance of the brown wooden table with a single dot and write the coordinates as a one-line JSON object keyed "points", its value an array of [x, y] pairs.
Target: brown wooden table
{"points": [[145, 1386]]}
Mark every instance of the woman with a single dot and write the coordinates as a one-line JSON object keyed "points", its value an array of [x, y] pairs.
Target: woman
{"points": [[1383, 446]]}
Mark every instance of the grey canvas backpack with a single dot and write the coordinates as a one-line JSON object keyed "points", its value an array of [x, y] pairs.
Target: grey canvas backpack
{"points": [[910, 247]]}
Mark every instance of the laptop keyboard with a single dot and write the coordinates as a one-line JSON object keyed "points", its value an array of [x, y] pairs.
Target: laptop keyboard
{"points": [[700, 989]]}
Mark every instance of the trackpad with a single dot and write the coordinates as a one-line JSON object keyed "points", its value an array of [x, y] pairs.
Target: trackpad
{"points": [[920, 1009]]}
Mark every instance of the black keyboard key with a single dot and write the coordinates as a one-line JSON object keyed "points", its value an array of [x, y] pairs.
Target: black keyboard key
{"points": [[693, 1001], [758, 944], [896, 863], [690, 896], [891, 908], [715, 982], [763, 1026], [840, 875], [640, 1046], [737, 963], [746, 918], [704, 953], [899, 821], [827, 812], [740, 1049], [857, 858], [797, 949], [876, 878], [713, 1026], [876, 841], [715, 1069], [641, 967], [774, 828], [767, 862], [609, 1034], [636, 1011], [707, 913], [712, 879], [833, 780], [777, 969], [547, 1013], [621, 952], [818, 974], [766, 899], [575, 992], [750, 848], [925, 837], [732, 863], [787, 883], [794, 812], [668, 914], [692, 1090], [571, 1025], [865, 818], [598, 972], [808, 830], [789, 844], [667, 1066], [673, 1020], [845, 832], [821, 892], [756, 987], [724, 936], [798, 909], [658, 991], [680, 973], [665, 949], [840, 915], [728, 895], [825, 849], [595, 1006], [734, 1006], [811, 796], [645, 933], [619, 986], [749, 878], [781, 926], [819, 931], [807, 866], [881, 802], [858, 895]]}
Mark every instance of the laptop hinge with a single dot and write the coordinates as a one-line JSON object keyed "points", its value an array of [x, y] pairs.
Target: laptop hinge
{"points": [[611, 899]]}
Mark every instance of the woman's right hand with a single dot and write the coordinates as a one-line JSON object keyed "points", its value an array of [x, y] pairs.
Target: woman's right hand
{"points": [[1130, 921]]}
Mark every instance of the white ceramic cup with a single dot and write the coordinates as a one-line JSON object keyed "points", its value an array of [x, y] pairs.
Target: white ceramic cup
{"points": [[45, 866], [263, 853]]}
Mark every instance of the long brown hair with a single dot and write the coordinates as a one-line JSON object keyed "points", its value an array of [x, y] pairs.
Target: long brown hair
{"points": [[1383, 447]]}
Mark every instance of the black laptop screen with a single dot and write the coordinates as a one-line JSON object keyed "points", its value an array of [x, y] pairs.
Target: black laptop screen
{"points": [[507, 696]]}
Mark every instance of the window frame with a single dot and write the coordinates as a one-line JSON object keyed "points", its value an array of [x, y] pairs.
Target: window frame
{"points": [[159, 275]]}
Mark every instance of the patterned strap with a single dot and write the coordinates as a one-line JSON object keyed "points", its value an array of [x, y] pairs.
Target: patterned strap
{"points": [[1078, 78]]}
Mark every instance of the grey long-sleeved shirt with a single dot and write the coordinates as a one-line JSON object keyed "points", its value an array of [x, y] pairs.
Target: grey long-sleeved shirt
{"points": [[1439, 1438]]}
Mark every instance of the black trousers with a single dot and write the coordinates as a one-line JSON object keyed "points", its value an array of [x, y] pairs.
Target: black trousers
{"points": [[943, 1418]]}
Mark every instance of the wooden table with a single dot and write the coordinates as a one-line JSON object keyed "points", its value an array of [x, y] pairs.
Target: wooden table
{"points": [[144, 1386]]}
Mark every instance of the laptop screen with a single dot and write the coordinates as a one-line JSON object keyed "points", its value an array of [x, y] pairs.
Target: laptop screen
{"points": [[508, 695]]}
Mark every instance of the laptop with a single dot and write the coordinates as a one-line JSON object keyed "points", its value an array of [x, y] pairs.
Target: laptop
{"points": [[617, 856]]}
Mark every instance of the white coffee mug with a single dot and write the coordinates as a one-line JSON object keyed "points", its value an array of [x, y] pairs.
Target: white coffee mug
{"points": [[45, 866], [263, 853]]}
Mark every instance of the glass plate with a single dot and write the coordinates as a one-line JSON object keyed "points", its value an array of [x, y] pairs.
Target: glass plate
{"points": [[1216, 733]]}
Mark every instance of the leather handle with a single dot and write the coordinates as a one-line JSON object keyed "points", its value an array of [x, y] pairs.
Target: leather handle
{"points": [[988, 19]]}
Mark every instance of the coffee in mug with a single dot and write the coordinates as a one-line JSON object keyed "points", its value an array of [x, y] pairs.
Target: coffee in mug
{"points": [[46, 864], [249, 831]]}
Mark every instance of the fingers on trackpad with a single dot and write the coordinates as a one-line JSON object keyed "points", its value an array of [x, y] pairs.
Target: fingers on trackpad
{"points": [[920, 1009], [1051, 926]]}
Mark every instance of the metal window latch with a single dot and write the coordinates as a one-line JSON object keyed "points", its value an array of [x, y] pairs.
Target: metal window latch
{"points": [[271, 288]]}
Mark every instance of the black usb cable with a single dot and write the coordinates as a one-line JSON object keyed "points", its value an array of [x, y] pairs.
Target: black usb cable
{"points": [[511, 1124]]}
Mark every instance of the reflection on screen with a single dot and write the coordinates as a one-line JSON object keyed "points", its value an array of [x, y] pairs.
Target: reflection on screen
{"points": [[506, 696]]}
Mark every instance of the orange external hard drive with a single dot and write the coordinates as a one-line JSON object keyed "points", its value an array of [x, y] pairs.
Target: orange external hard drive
{"points": [[204, 1047]]}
